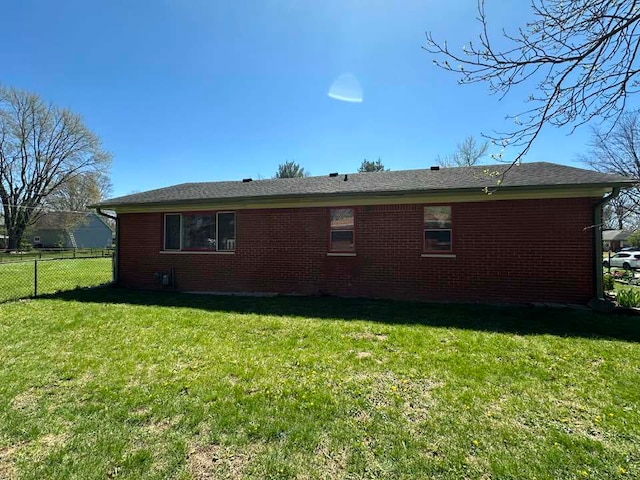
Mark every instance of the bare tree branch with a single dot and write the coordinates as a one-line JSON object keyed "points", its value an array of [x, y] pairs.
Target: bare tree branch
{"points": [[581, 58]]}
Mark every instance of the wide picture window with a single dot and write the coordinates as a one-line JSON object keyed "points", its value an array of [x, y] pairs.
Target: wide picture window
{"points": [[204, 232], [437, 229]]}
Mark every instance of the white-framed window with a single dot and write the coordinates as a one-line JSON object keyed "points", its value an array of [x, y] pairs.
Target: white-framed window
{"points": [[438, 229], [342, 230], [36, 239], [200, 231]]}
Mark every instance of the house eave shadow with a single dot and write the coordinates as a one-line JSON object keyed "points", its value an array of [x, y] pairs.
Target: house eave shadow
{"points": [[519, 320]]}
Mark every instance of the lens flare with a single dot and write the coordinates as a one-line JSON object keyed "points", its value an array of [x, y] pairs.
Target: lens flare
{"points": [[346, 88]]}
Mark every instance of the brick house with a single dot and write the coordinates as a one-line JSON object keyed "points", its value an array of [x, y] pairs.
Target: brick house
{"points": [[429, 235]]}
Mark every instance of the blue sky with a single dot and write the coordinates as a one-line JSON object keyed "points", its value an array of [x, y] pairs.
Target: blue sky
{"points": [[203, 90]]}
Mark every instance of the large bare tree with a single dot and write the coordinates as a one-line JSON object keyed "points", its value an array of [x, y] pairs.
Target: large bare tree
{"points": [[81, 190], [578, 60], [41, 148], [467, 154], [616, 149]]}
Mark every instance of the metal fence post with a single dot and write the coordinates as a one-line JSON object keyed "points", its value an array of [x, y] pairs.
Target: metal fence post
{"points": [[35, 277]]}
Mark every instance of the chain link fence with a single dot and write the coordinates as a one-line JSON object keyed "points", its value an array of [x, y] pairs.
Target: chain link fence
{"points": [[30, 274]]}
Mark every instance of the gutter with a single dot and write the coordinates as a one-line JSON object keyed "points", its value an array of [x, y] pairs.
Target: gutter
{"points": [[597, 241], [100, 212], [116, 259]]}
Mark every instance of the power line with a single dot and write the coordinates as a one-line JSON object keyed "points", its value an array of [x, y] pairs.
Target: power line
{"points": [[45, 210]]}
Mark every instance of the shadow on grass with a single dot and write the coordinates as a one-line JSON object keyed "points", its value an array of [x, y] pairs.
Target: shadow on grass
{"points": [[522, 320]]}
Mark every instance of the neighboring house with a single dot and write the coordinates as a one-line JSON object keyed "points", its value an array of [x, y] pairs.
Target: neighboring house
{"points": [[70, 230], [614, 240], [429, 235]]}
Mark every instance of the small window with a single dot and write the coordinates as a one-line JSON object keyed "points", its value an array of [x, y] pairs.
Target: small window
{"points": [[437, 229], [342, 235], [36, 239], [200, 231]]}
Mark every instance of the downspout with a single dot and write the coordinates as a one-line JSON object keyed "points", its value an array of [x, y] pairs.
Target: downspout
{"points": [[116, 264], [597, 239]]}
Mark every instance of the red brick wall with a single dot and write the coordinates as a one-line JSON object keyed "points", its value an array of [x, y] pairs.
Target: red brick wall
{"points": [[506, 251]]}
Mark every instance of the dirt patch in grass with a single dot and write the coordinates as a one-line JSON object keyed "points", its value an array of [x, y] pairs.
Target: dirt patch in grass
{"points": [[151, 425], [51, 395], [221, 462], [85, 379], [418, 399], [479, 465], [413, 395], [46, 444], [7, 461], [34, 450], [25, 400], [141, 412], [575, 418], [53, 440], [160, 426], [380, 337], [332, 462]]}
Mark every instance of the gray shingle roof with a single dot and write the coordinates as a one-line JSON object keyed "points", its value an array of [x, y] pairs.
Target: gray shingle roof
{"points": [[540, 174], [610, 235]]}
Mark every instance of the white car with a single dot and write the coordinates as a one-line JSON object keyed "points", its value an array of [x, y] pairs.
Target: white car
{"points": [[627, 260]]}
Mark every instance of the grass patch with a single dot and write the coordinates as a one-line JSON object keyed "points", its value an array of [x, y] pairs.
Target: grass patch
{"points": [[17, 278], [118, 384], [51, 254]]}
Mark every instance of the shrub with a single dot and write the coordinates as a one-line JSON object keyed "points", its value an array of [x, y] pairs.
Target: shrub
{"points": [[25, 245], [608, 282], [628, 297]]}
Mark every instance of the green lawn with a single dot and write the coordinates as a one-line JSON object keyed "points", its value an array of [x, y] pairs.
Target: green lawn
{"points": [[17, 278], [116, 384], [41, 254]]}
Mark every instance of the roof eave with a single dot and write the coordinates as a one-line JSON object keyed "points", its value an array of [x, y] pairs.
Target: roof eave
{"points": [[390, 193]]}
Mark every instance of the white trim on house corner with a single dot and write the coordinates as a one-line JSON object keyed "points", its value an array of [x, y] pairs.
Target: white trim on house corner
{"points": [[188, 252], [438, 255], [336, 254]]}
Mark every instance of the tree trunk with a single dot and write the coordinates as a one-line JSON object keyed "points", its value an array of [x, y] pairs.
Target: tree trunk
{"points": [[14, 235]]}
